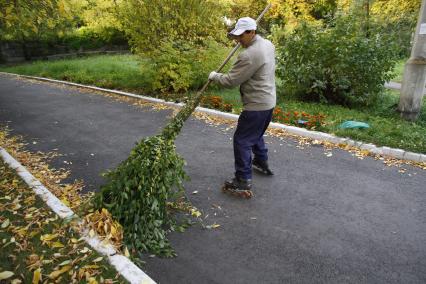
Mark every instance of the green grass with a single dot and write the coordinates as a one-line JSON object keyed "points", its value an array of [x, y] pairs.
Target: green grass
{"points": [[33, 237], [124, 72], [109, 71], [399, 70]]}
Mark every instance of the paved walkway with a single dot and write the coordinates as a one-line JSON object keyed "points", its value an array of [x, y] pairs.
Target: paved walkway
{"points": [[321, 219]]}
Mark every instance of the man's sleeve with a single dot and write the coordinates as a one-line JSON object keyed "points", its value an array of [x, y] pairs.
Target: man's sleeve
{"points": [[241, 71]]}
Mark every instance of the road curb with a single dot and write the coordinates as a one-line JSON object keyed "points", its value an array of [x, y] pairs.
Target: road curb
{"points": [[121, 263], [383, 151]]}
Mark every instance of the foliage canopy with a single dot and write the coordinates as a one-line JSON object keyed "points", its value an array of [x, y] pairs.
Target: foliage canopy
{"points": [[25, 19]]}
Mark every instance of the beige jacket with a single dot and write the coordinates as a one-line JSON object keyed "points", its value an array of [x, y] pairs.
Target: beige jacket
{"points": [[254, 71]]}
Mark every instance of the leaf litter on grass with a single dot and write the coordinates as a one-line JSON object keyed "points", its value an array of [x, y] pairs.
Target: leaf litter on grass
{"points": [[37, 246]]}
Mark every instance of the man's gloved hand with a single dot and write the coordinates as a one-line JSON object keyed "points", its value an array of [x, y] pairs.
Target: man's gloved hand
{"points": [[213, 75]]}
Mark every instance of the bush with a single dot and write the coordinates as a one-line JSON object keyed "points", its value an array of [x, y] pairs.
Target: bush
{"points": [[86, 38], [336, 64], [179, 66]]}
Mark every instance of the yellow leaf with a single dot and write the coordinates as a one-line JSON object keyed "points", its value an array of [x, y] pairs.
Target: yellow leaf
{"points": [[92, 280], [5, 223], [126, 252], [48, 237], [6, 274], [93, 266], [37, 276], [113, 230], [195, 213], [57, 245], [98, 259], [213, 226], [65, 201], [57, 273]]}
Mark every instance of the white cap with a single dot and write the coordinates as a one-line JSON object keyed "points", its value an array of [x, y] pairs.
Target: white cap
{"points": [[243, 24]]}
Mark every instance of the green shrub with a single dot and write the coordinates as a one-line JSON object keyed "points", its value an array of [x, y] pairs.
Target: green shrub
{"points": [[336, 64], [87, 38], [179, 66]]}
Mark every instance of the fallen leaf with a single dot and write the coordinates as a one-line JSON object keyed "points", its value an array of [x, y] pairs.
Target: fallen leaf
{"points": [[98, 259], [47, 261], [57, 273], [92, 266], [57, 245], [65, 262], [84, 250], [126, 252], [37, 276], [213, 226], [5, 224], [195, 213], [48, 237], [6, 274]]}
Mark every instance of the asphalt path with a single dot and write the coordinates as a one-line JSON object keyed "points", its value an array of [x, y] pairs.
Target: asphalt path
{"points": [[320, 219]]}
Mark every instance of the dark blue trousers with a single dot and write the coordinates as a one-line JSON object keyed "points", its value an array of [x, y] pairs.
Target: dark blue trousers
{"points": [[248, 138]]}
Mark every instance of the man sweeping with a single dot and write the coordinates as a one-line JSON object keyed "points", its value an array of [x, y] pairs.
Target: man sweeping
{"points": [[254, 72]]}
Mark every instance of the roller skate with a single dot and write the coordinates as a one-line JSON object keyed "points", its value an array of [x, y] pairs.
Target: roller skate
{"points": [[238, 187], [262, 166]]}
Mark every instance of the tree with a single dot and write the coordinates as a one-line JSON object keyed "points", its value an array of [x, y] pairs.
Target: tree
{"points": [[102, 17], [25, 19], [152, 23], [398, 18]]}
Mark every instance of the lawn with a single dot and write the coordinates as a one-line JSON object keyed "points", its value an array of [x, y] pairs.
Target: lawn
{"points": [[123, 72], [399, 71]]}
